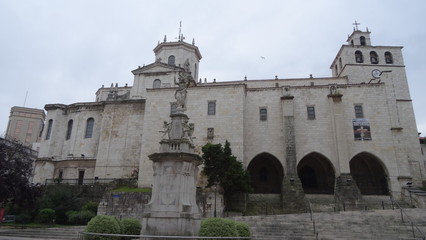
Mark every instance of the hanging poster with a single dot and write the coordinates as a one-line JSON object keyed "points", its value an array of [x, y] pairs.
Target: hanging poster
{"points": [[361, 129]]}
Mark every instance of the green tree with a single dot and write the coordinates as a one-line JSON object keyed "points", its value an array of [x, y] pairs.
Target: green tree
{"points": [[222, 168], [16, 162]]}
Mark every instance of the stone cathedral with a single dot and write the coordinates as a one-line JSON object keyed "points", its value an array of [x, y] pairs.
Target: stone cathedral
{"points": [[351, 134]]}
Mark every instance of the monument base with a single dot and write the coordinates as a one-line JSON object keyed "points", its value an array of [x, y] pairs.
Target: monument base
{"points": [[170, 226]]}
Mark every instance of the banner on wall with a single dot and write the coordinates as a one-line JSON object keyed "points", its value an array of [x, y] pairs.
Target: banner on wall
{"points": [[361, 129]]}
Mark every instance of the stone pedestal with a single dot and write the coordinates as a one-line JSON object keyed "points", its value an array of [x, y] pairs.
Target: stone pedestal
{"points": [[347, 193], [293, 197], [173, 209]]}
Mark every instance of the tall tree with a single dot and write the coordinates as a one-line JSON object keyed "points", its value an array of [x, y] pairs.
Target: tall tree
{"points": [[16, 166], [223, 168]]}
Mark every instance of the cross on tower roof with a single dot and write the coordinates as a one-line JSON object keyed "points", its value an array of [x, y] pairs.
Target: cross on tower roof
{"points": [[356, 25]]}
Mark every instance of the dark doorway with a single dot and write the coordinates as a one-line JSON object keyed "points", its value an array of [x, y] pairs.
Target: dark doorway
{"points": [[369, 174], [80, 177], [266, 174], [316, 174]]}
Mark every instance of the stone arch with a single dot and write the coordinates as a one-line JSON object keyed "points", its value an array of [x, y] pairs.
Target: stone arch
{"points": [[370, 174], [266, 173], [316, 173]]}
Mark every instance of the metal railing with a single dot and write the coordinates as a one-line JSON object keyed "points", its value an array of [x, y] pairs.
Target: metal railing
{"points": [[311, 212], [413, 225], [82, 234], [76, 181]]}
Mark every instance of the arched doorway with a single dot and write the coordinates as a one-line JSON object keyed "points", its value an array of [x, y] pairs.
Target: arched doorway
{"points": [[316, 174], [369, 174], [266, 174]]}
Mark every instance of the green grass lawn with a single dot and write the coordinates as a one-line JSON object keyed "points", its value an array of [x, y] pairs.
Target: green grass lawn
{"points": [[130, 189]]}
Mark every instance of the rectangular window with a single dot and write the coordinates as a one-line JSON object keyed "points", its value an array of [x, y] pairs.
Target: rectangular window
{"points": [[211, 108], [263, 114], [358, 111], [311, 112]]}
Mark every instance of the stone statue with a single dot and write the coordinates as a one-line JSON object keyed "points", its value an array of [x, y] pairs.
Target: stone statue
{"points": [[183, 82], [188, 129], [166, 129]]}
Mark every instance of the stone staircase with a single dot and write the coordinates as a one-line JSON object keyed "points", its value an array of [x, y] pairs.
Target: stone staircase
{"points": [[376, 224], [69, 233]]}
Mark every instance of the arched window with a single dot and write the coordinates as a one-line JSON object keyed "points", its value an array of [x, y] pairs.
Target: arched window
{"points": [[374, 58], [89, 128], [335, 68], [157, 83], [49, 129], [69, 130], [171, 60], [362, 40], [388, 58], [358, 57], [340, 63]]}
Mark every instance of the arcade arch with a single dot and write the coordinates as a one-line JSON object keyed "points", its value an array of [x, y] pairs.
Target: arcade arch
{"points": [[369, 174], [317, 174], [266, 173]]}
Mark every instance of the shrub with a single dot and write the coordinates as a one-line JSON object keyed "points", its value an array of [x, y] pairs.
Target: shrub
{"points": [[91, 206], [80, 217], [46, 215], [102, 224], [218, 227], [131, 226], [23, 218], [243, 229]]}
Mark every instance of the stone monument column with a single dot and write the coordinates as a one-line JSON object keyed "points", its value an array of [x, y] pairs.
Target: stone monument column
{"points": [[173, 210], [292, 195]]}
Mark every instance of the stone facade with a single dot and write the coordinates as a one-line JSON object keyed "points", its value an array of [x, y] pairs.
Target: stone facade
{"points": [[351, 124], [25, 125]]}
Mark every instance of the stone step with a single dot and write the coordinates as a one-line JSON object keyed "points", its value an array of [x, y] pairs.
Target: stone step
{"points": [[44, 233], [377, 225]]}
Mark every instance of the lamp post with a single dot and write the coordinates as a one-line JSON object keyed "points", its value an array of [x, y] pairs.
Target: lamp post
{"points": [[215, 191]]}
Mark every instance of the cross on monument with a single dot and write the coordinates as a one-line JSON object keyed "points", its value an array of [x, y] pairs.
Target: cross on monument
{"points": [[356, 25]]}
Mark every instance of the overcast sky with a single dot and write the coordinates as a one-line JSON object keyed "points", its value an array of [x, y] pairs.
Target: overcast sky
{"points": [[63, 51]]}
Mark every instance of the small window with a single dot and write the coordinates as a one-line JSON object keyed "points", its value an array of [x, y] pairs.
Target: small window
{"points": [[263, 114], [362, 40], [61, 174], [358, 57], [49, 129], [69, 130], [311, 112], [157, 83], [374, 58], [210, 133], [340, 63], [171, 60], [173, 108], [211, 108], [358, 111], [90, 123], [388, 58], [335, 67]]}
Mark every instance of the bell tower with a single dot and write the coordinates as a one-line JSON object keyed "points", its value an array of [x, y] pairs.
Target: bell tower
{"points": [[364, 63]]}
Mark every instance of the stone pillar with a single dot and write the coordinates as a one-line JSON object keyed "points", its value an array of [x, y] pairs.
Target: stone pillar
{"points": [[346, 191], [292, 195]]}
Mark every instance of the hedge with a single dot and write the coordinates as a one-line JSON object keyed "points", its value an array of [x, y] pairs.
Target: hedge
{"points": [[103, 224]]}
